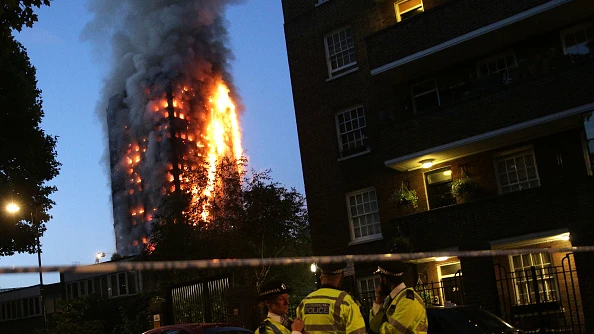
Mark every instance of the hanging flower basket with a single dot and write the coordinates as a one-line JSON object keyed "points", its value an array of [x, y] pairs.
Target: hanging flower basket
{"points": [[404, 196], [464, 188]]}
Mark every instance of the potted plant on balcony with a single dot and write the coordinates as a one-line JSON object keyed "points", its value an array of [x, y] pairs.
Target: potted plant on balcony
{"points": [[464, 189], [405, 196]]}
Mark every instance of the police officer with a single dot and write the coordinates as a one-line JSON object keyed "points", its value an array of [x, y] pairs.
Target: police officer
{"points": [[396, 309], [275, 295], [329, 309]]}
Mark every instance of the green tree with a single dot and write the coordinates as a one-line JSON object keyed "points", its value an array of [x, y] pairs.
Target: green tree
{"points": [[27, 154], [249, 217], [14, 14], [93, 314]]}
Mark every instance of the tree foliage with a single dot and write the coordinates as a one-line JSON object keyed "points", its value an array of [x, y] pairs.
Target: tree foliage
{"points": [[93, 314], [14, 14], [27, 154], [249, 217]]}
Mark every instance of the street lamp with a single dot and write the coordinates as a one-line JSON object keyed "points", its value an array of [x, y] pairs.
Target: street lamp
{"points": [[14, 208], [99, 256]]}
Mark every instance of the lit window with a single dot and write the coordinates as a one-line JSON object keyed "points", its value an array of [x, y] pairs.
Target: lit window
{"points": [[425, 96], [351, 130], [517, 171], [340, 51], [578, 40], [544, 274], [499, 64], [364, 215], [408, 8], [439, 187]]}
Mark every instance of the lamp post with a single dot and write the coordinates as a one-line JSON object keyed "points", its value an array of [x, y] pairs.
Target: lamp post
{"points": [[14, 208], [99, 256]]}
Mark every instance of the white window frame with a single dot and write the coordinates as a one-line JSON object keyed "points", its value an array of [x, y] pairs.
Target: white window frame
{"points": [[368, 237], [110, 288], [374, 280], [360, 130], [339, 70], [8, 309], [414, 97], [88, 284], [573, 30], [495, 58], [399, 13], [515, 154], [546, 280]]}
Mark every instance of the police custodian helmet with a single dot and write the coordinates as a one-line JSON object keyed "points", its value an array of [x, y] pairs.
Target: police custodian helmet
{"points": [[332, 268], [273, 288], [392, 268]]}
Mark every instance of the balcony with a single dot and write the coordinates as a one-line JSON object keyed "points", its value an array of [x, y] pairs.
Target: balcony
{"points": [[463, 29], [520, 213], [539, 97]]}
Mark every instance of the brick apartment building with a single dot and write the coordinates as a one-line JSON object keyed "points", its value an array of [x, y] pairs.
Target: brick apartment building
{"points": [[396, 101]]}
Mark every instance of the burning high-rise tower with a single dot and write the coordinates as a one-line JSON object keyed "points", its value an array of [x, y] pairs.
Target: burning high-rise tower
{"points": [[170, 107]]}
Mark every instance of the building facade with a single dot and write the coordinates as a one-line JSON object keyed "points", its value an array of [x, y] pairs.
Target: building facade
{"points": [[435, 125]]}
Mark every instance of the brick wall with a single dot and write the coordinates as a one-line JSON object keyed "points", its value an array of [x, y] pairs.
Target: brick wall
{"points": [[508, 106], [439, 25]]}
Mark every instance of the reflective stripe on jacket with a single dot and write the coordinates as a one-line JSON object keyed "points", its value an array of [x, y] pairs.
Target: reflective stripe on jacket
{"points": [[330, 310], [406, 314], [270, 326]]}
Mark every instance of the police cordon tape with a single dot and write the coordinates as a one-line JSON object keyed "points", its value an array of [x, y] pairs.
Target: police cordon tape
{"points": [[256, 262]]}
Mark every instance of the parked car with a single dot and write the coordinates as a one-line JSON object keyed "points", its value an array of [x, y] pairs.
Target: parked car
{"points": [[211, 328], [466, 320]]}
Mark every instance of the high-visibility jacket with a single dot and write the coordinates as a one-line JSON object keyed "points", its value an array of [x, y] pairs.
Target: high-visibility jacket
{"points": [[271, 326], [406, 313], [329, 310]]}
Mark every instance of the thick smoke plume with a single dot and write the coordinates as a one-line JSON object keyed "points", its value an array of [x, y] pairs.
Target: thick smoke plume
{"points": [[166, 58]]}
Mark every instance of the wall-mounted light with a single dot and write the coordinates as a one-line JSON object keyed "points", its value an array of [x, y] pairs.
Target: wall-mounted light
{"points": [[427, 163], [313, 268]]}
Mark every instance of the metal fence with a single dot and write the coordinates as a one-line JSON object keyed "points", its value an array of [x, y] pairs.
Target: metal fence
{"points": [[201, 301], [541, 298]]}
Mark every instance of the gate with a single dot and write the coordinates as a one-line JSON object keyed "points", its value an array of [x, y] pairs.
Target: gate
{"points": [[541, 299], [447, 292], [200, 301]]}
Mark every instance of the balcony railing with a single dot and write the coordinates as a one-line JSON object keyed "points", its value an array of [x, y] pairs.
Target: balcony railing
{"points": [[439, 25], [519, 213], [534, 89]]}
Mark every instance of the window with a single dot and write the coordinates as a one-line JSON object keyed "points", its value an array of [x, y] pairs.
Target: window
{"points": [[577, 40], [367, 288], [439, 188], [122, 284], [79, 288], [340, 51], [351, 130], [364, 215], [21, 308], [425, 96], [543, 273], [498, 64], [516, 171], [407, 9]]}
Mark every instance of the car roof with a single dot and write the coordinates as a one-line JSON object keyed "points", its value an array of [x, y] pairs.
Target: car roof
{"points": [[192, 327]]}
